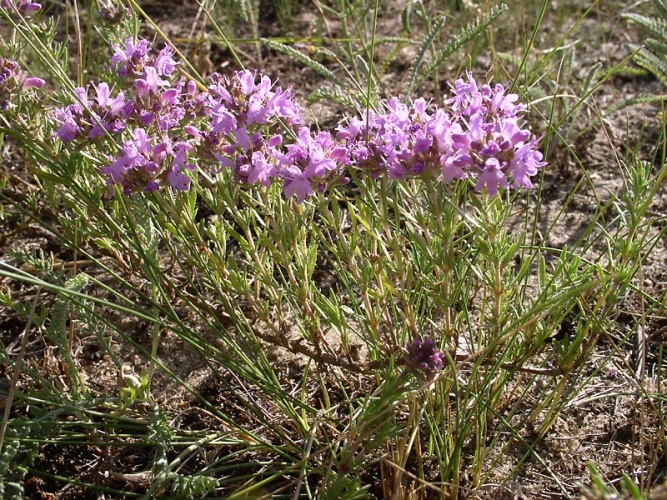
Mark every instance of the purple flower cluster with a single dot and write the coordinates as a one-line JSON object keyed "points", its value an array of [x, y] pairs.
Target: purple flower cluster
{"points": [[150, 110], [256, 131], [91, 118], [487, 138], [237, 123], [151, 99], [22, 7], [246, 124], [422, 356], [312, 163], [146, 162], [480, 138], [12, 80], [403, 141]]}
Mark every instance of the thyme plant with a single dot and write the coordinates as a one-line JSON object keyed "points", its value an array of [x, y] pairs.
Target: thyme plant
{"points": [[395, 256]]}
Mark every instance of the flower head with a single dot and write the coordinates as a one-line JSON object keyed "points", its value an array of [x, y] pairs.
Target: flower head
{"points": [[130, 58], [488, 141], [91, 118], [479, 137], [422, 356], [404, 141], [13, 80], [22, 7], [310, 164]]}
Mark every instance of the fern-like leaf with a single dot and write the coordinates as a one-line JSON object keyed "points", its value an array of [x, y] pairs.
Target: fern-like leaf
{"points": [[655, 26], [642, 99], [473, 30], [658, 47], [509, 58], [421, 52], [333, 93], [652, 63], [245, 9], [303, 59], [57, 327], [652, 57], [661, 7], [394, 39]]}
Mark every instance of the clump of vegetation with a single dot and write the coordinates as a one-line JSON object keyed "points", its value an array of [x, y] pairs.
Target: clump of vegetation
{"points": [[374, 309], [652, 56]]}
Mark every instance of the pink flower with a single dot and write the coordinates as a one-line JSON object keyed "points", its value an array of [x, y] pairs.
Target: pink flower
{"points": [[33, 82], [491, 177], [22, 7], [149, 83]]}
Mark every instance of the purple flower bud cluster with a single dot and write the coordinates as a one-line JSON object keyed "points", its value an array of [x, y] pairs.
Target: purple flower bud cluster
{"points": [[13, 80], [245, 123], [22, 7], [480, 138], [422, 357]]}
